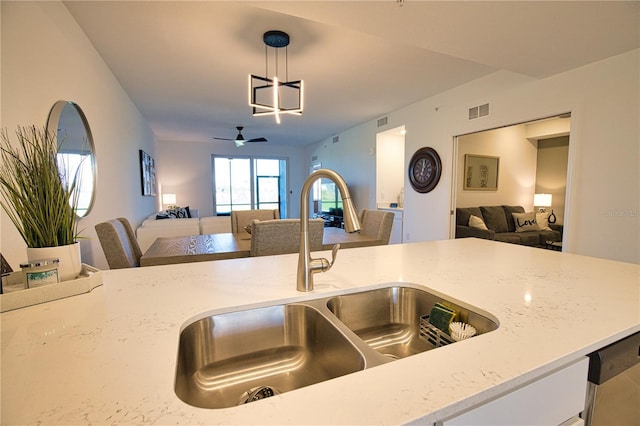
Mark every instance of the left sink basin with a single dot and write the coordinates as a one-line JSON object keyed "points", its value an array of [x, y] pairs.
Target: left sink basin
{"points": [[232, 358]]}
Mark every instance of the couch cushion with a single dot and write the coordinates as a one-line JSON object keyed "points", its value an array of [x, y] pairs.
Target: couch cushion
{"points": [[495, 218], [508, 211], [523, 238], [525, 222], [463, 213]]}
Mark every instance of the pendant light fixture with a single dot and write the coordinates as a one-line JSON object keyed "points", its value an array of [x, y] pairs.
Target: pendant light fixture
{"points": [[274, 96]]}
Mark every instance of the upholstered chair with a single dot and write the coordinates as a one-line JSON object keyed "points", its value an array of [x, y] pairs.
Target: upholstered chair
{"points": [[119, 243], [281, 236], [377, 224], [242, 218]]}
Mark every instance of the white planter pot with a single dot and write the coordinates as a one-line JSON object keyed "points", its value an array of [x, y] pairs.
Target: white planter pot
{"points": [[70, 264]]}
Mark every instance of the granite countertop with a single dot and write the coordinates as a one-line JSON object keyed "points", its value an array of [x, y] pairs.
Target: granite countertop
{"points": [[109, 356]]}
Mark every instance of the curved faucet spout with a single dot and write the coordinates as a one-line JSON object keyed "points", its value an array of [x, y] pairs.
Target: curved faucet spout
{"points": [[306, 265]]}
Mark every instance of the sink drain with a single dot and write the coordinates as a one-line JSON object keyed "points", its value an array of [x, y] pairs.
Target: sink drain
{"points": [[258, 393]]}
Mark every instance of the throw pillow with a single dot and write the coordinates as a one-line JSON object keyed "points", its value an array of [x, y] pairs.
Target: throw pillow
{"points": [[179, 213], [543, 221], [163, 215], [508, 210], [477, 222], [525, 222]]}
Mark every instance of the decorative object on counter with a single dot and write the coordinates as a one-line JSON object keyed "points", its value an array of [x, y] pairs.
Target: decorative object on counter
{"points": [[15, 295], [5, 268], [147, 174], [425, 169], [40, 272], [460, 331], [38, 200], [75, 150], [480, 172]]}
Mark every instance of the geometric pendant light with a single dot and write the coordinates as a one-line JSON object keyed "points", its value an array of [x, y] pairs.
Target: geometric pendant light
{"points": [[275, 96]]}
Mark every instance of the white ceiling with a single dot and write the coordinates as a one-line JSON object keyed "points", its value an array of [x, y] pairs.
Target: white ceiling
{"points": [[185, 63]]}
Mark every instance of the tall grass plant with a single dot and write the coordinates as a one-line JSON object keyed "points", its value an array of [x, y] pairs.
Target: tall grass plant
{"points": [[34, 193]]}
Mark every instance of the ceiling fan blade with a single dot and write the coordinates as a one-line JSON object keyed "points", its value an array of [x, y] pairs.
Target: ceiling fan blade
{"points": [[257, 140], [223, 139]]}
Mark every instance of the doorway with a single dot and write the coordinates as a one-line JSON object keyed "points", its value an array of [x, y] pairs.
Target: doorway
{"points": [[533, 158]]}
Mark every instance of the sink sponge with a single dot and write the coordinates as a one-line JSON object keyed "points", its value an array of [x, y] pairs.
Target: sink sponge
{"points": [[441, 316]]}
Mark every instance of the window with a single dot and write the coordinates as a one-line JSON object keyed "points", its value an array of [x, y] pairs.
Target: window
{"points": [[246, 183]]}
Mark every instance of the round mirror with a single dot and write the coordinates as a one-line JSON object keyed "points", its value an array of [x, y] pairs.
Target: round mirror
{"points": [[75, 151]]}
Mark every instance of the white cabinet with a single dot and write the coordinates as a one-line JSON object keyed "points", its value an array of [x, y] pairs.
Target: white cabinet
{"points": [[396, 231], [552, 400]]}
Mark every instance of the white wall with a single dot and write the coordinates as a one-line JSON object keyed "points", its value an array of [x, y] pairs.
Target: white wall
{"points": [[389, 167], [604, 150], [184, 169], [45, 58], [353, 157], [516, 167]]}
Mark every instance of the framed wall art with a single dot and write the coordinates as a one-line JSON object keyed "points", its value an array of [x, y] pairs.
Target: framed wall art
{"points": [[481, 172], [148, 174]]}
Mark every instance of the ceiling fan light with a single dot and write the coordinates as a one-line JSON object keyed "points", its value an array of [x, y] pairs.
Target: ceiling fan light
{"points": [[239, 143]]}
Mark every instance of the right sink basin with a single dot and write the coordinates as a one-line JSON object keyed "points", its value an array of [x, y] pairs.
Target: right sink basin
{"points": [[388, 319]]}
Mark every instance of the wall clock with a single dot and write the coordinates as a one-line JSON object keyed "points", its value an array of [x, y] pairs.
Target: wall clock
{"points": [[425, 169]]}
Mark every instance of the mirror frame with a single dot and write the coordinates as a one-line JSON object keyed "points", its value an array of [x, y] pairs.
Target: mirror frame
{"points": [[53, 121]]}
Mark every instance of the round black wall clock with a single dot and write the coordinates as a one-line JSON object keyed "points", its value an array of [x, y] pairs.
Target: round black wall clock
{"points": [[425, 169]]}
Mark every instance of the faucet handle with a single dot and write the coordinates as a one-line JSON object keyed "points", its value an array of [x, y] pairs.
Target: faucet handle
{"points": [[334, 254]]}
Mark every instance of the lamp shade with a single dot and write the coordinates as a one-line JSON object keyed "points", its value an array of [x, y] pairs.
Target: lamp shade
{"points": [[542, 200], [168, 199]]}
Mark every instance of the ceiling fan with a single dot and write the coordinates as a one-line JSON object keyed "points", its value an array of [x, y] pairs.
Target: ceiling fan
{"points": [[240, 140]]}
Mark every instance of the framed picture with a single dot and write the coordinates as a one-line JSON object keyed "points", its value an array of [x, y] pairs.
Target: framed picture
{"points": [[147, 174], [480, 172]]}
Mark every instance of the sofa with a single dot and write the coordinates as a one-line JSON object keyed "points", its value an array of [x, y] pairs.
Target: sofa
{"points": [[509, 224], [159, 225]]}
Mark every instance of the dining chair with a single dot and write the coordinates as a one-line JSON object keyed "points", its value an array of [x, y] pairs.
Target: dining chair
{"points": [[281, 236], [377, 224], [119, 243], [242, 218]]}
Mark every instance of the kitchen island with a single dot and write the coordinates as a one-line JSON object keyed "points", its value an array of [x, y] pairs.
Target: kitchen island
{"points": [[109, 356]]}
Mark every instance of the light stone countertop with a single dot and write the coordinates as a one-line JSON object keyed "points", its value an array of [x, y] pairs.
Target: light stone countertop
{"points": [[108, 357]]}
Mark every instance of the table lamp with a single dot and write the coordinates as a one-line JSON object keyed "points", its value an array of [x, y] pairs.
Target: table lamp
{"points": [[169, 200], [543, 201]]}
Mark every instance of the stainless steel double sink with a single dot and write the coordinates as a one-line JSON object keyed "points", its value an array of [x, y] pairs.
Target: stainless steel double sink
{"points": [[228, 359]]}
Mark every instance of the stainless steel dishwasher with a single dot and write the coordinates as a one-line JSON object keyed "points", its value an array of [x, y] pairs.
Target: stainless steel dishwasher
{"points": [[613, 392]]}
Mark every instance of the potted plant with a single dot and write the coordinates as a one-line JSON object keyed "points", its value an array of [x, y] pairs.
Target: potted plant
{"points": [[38, 200]]}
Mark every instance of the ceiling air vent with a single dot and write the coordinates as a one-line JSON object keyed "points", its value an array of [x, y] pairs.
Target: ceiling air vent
{"points": [[314, 158], [478, 111], [383, 121], [336, 139]]}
